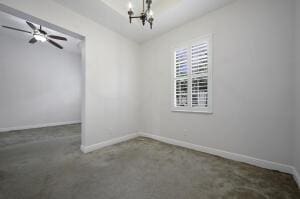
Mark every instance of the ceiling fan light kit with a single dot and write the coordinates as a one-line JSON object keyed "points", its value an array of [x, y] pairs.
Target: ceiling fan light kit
{"points": [[39, 35], [146, 14]]}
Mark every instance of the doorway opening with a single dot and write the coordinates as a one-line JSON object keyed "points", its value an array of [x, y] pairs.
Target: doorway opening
{"points": [[41, 78]]}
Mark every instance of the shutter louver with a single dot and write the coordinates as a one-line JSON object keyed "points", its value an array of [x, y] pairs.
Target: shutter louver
{"points": [[199, 92], [182, 93], [181, 62], [199, 58]]}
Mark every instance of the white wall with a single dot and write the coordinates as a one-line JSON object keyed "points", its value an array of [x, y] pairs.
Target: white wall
{"points": [[110, 98], [296, 151], [252, 79], [39, 84], [251, 82]]}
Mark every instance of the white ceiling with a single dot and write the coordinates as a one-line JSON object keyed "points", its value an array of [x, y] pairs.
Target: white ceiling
{"points": [[121, 6], [71, 45], [168, 14]]}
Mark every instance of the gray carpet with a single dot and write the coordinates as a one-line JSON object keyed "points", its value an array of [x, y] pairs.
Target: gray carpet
{"points": [[46, 163]]}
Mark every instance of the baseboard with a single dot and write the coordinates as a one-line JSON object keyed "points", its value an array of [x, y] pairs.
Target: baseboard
{"points": [[228, 155], [87, 149], [38, 126], [297, 177], [225, 154]]}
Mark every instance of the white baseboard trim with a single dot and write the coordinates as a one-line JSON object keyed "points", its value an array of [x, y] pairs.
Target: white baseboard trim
{"points": [[228, 155], [87, 149], [37, 126], [297, 177]]}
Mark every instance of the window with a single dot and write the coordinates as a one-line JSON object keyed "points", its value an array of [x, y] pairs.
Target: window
{"points": [[192, 76]]}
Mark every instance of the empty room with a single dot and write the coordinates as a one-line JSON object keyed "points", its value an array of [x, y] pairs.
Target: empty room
{"points": [[150, 99]]}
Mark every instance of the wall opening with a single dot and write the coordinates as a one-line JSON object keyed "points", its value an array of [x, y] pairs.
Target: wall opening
{"points": [[55, 75]]}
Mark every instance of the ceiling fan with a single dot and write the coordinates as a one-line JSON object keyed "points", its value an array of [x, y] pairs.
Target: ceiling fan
{"points": [[39, 35]]}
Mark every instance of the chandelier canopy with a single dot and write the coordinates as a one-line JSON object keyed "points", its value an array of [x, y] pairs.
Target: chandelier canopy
{"points": [[146, 14]]}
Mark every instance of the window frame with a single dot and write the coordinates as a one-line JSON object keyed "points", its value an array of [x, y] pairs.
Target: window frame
{"points": [[188, 45]]}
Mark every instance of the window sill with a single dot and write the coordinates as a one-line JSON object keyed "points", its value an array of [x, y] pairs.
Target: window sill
{"points": [[209, 112]]}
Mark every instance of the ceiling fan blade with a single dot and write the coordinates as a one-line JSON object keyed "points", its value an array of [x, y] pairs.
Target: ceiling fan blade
{"points": [[32, 41], [57, 37], [54, 44], [17, 29], [31, 25]]}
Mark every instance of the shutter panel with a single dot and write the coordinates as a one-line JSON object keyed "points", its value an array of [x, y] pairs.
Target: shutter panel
{"points": [[181, 61], [200, 92], [181, 82], [199, 62], [181, 93], [199, 58]]}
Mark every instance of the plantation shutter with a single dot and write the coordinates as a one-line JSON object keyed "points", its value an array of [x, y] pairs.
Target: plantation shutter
{"points": [[181, 78], [199, 62], [192, 76]]}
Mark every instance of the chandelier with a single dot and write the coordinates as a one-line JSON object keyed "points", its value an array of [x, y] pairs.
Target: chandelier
{"points": [[146, 15]]}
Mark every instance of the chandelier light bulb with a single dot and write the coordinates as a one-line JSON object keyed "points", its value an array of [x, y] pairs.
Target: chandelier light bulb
{"points": [[151, 13], [130, 5]]}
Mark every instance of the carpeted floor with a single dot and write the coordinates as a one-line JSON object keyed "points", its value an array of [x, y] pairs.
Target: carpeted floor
{"points": [[47, 163]]}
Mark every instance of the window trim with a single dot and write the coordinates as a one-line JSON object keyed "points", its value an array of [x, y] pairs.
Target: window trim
{"points": [[188, 45]]}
